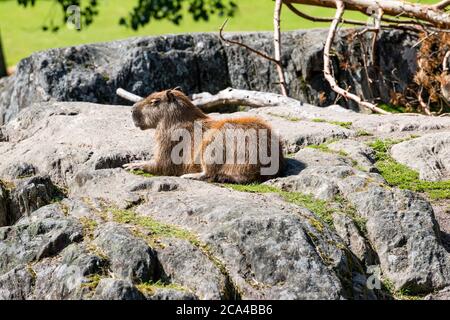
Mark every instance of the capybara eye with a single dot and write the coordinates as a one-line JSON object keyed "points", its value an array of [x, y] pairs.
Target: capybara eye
{"points": [[155, 101]]}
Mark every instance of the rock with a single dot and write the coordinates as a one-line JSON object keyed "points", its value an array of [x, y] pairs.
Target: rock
{"points": [[3, 206], [269, 248], [113, 289], [429, 155], [349, 232], [78, 137], [201, 62], [68, 277], [400, 225], [131, 258], [171, 294], [444, 294], [43, 234], [179, 258], [16, 284], [29, 195], [358, 151]]}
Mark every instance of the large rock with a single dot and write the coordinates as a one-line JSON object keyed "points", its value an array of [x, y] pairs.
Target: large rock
{"points": [[429, 155], [201, 62], [131, 258], [269, 248], [43, 234], [61, 139], [400, 224]]}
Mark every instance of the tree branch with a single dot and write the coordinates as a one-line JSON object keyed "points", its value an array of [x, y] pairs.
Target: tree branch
{"points": [[442, 5], [340, 8], [277, 45]]}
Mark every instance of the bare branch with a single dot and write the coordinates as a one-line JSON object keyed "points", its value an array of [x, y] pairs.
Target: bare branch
{"points": [[445, 61], [259, 53], [340, 8], [128, 95], [277, 45], [319, 19], [442, 5]]}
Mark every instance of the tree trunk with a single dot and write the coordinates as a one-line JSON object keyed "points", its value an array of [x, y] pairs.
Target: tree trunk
{"points": [[428, 13], [2, 60]]}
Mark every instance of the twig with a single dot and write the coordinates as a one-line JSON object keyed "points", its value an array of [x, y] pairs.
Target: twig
{"points": [[378, 18], [128, 95], [442, 5], [262, 54], [277, 45], [445, 62], [320, 19], [340, 8], [422, 103]]}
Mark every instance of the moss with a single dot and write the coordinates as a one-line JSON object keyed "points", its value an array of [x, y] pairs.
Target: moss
{"points": [[150, 288], [89, 226], [363, 133], [252, 188], [92, 282], [399, 175], [288, 118], [159, 230], [142, 173], [346, 125], [392, 108], [322, 147], [402, 294]]}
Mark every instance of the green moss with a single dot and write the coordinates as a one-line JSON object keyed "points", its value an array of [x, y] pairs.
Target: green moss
{"points": [[322, 147], [252, 188], [92, 282], [288, 118], [399, 175], [142, 173], [320, 207], [89, 226], [150, 288], [363, 133], [318, 120], [346, 125], [159, 230], [402, 294], [391, 108]]}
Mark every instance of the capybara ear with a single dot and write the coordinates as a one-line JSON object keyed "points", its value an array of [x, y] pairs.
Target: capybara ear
{"points": [[169, 95], [178, 88]]}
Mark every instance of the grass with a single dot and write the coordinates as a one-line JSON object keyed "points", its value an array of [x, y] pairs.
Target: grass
{"points": [[391, 108], [149, 288], [397, 174], [346, 125], [322, 208], [22, 32], [142, 173]]}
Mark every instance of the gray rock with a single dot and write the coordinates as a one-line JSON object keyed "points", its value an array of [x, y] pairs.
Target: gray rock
{"points": [[429, 155], [179, 258], [171, 294], [3, 206], [16, 284], [358, 151], [444, 294], [68, 276], [269, 248], [43, 234], [131, 258], [29, 195], [77, 137], [114, 289], [200, 62], [400, 225]]}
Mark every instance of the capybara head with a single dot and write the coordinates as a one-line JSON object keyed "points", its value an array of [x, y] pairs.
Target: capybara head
{"points": [[165, 107]]}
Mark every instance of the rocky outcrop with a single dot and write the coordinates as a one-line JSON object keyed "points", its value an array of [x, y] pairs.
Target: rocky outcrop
{"points": [[429, 155], [315, 233], [200, 62]]}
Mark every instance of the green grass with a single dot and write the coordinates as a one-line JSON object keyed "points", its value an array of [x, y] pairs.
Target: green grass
{"points": [[397, 174], [142, 173], [391, 108], [346, 125], [151, 287], [323, 209], [22, 34]]}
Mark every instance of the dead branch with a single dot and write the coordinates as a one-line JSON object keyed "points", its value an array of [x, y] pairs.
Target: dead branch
{"points": [[277, 45], [128, 95], [427, 13], [236, 97], [340, 8], [277, 48], [442, 5]]}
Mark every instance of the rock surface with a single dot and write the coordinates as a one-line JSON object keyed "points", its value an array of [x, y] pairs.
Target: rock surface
{"points": [[201, 62], [87, 229]]}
